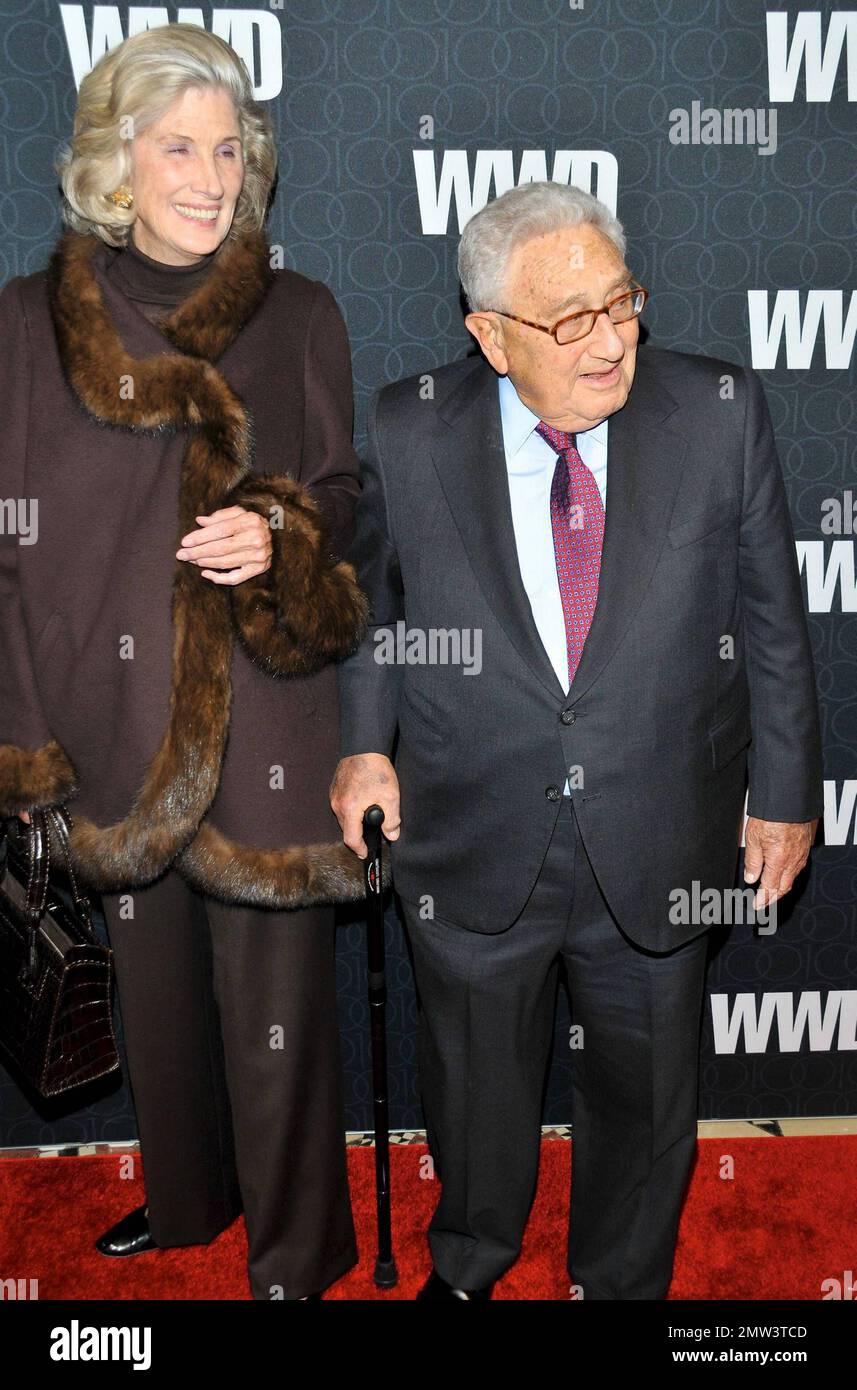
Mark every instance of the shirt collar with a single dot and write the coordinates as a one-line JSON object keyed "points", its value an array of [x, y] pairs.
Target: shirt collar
{"points": [[519, 421]]}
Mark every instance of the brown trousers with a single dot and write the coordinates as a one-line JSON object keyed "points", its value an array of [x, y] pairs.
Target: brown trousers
{"points": [[234, 1057]]}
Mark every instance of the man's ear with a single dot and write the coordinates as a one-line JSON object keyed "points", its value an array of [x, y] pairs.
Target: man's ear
{"points": [[487, 329]]}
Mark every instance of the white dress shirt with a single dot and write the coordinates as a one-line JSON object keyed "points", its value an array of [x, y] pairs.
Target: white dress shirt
{"points": [[530, 463]]}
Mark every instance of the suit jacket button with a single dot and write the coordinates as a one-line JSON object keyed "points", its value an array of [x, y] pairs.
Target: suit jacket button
{"points": [[567, 716], [553, 793]]}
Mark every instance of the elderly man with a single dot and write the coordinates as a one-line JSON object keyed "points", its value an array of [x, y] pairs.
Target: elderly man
{"points": [[643, 645]]}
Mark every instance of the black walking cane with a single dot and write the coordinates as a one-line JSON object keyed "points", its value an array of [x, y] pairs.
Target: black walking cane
{"points": [[386, 1275]]}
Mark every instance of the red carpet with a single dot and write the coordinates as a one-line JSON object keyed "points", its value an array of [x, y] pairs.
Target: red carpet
{"points": [[782, 1225]]}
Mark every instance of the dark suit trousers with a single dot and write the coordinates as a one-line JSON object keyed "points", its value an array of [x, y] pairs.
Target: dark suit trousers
{"points": [[228, 1122], [486, 1030]]}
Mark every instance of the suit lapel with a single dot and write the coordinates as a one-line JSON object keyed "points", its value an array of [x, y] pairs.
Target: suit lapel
{"points": [[645, 459]]}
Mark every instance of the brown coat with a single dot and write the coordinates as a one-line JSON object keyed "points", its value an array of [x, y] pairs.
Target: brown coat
{"points": [[167, 746]]}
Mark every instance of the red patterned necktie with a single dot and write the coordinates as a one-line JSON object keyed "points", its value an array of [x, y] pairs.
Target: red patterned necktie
{"points": [[577, 519]]}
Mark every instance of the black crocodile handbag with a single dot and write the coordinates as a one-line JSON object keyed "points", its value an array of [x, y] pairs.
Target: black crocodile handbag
{"points": [[56, 977]]}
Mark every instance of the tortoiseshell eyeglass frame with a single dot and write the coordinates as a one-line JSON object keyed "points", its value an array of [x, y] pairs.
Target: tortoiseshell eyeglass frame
{"points": [[582, 314]]}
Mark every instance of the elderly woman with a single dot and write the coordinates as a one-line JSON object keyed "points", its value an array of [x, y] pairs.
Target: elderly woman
{"points": [[177, 419]]}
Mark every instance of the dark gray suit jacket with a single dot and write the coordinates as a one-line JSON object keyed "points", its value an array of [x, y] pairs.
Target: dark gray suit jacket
{"points": [[660, 718]]}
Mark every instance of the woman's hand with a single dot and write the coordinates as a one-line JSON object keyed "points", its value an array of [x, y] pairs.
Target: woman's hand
{"points": [[232, 539], [25, 817]]}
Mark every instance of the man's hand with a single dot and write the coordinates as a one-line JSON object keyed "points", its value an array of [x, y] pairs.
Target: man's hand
{"points": [[365, 779], [233, 539], [778, 851]]}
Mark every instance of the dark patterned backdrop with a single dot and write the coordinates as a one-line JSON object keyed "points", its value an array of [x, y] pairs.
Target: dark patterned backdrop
{"points": [[395, 119]]}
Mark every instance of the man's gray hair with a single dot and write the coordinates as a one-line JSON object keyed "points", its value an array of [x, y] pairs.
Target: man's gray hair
{"points": [[517, 215]]}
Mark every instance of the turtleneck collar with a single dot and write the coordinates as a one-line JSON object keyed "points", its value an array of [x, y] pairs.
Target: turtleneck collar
{"points": [[153, 282]]}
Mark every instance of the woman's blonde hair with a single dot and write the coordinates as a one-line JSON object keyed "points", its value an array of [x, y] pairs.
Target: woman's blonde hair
{"points": [[140, 79]]}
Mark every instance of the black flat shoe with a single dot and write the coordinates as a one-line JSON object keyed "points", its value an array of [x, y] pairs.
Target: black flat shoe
{"points": [[130, 1236], [435, 1287]]}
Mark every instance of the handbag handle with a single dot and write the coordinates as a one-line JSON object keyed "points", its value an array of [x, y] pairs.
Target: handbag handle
{"points": [[38, 878], [39, 855], [62, 823]]}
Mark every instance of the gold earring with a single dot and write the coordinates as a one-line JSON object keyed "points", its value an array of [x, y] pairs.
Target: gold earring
{"points": [[122, 196]]}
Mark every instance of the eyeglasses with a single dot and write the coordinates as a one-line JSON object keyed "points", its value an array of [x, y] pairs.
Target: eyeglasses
{"points": [[567, 330]]}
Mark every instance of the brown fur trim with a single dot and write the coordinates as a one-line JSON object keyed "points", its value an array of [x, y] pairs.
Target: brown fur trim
{"points": [[34, 777], [300, 876], [305, 610], [172, 392]]}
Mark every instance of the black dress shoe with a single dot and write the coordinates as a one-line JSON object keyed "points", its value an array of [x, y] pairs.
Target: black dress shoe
{"points": [[435, 1287], [130, 1236]]}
